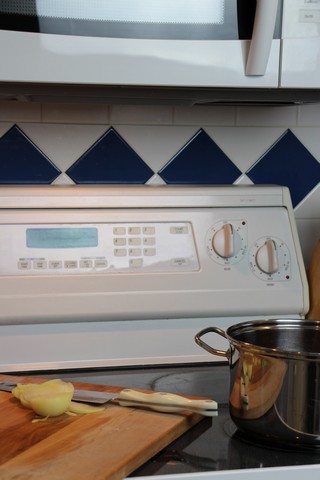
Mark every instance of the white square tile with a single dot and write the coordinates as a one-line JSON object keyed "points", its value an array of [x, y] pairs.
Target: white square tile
{"points": [[243, 180], [267, 116], [63, 179], [310, 205], [63, 144], [244, 145], [155, 145], [309, 115], [20, 112], [156, 180], [205, 115], [75, 113], [309, 137], [141, 114], [4, 127], [309, 234]]}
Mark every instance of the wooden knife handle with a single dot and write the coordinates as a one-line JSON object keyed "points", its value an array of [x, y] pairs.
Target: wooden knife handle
{"points": [[166, 402]]}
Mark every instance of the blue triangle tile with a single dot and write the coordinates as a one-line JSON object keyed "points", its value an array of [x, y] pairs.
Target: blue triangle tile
{"points": [[22, 162], [110, 161], [200, 161], [288, 163]]}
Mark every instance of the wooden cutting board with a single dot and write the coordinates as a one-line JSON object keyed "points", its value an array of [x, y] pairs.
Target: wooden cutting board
{"points": [[105, 445]]}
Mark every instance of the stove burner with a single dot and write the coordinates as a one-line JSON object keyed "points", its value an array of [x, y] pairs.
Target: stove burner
{"points": [[238, 435]]}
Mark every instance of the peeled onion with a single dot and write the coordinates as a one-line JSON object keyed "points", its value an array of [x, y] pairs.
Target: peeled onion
{"points": [[51, 398]]}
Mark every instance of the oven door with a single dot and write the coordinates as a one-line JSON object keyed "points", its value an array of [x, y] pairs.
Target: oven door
{"points": [[142, 42]]}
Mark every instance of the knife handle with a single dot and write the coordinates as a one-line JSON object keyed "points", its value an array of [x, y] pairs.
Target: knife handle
{"points": [[166, 402]]}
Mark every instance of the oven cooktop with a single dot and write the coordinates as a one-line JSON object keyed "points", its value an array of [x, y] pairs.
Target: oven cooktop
{"points": [[214, 444]]}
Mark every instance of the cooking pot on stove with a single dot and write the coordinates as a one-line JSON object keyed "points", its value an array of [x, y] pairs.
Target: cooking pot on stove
{"points": [[274, 379]]}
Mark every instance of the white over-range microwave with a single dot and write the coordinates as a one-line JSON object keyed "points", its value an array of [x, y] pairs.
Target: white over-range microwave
{"points": [[202, 45]]}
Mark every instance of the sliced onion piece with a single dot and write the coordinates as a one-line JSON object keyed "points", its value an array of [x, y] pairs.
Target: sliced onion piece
{"points": [[83, 408]]}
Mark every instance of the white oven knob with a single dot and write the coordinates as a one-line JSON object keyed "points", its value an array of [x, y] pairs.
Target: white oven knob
{"points": [[226, 241], [267, 257], [223, 241]]}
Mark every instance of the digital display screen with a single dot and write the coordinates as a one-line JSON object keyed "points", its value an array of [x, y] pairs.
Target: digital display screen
{"points": [[62, 237]]}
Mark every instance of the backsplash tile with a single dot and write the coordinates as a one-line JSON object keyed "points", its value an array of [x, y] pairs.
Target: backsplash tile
{"points": [[263, 116], [137, 114], [205, 115], [70, 141], [200, 162], [288, 163], [22, 162], [110, 161], [78, 114]]}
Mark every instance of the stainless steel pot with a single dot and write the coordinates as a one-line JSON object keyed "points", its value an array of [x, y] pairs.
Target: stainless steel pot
{"points": [[274, 379]]}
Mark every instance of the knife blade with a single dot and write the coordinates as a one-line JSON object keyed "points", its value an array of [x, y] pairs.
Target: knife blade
{"points": [[158, 401]]}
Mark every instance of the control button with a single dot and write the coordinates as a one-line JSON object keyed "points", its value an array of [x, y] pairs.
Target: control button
{"points": [[119, 241], [149, 252], [309, 16], [24, 265], [179, 230], [55, 264], [120, 252], [135, 252], [148, 230], [101, 263], [86, 264], [149, 241], [180, 262], [134, 241], [136, 262], [70, 264], [134, 230], [40, 264], [119, 231]]}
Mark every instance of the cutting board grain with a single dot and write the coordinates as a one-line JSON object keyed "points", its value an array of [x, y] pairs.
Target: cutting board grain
{"points": [[107, 445]]}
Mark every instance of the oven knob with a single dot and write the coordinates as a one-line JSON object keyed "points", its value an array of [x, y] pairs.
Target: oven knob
{"points": [[267, 257], [223, 241], [226, 242]]}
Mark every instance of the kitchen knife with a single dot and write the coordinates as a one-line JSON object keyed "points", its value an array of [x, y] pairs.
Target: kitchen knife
{"points": [[159, 401]]}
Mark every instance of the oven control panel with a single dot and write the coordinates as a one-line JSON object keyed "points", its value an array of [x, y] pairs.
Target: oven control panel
{"points": [[82, 248], [110, 254]]}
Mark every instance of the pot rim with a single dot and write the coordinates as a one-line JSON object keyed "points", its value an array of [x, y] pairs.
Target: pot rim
{"points": [[267, 324]]}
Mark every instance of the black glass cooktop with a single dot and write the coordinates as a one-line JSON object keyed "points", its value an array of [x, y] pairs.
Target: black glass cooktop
{"points": [[214, 443]]}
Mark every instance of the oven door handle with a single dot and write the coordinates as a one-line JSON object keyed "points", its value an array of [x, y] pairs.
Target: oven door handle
{"points": [[214, 351], [262, 35]]}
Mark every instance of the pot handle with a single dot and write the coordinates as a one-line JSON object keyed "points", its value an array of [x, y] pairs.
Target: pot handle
{"points": [[201, 343]]}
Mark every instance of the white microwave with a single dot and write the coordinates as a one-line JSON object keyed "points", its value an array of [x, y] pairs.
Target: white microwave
{"points": [[167, 44]]}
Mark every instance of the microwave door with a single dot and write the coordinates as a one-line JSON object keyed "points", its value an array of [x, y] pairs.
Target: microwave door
{"points": [[300, 47], [159, 43]]}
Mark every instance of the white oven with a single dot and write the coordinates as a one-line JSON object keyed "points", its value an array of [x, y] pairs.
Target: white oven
{"points": [[116, 276]]}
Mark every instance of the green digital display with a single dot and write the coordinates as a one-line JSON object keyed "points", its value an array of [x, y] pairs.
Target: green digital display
{"points": [[62, 237]]}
